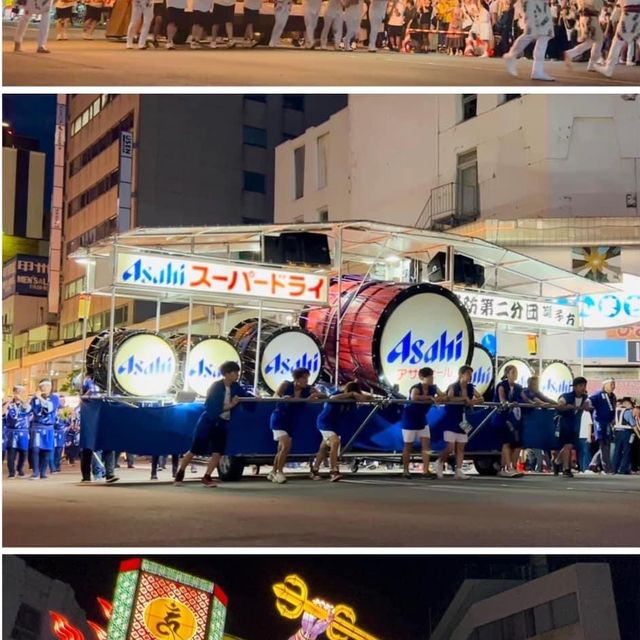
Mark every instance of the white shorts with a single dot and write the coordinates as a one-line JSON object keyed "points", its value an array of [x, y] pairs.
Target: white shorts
{"points": [[277, 434], [326, 435], [409, 436], [453, 436]]}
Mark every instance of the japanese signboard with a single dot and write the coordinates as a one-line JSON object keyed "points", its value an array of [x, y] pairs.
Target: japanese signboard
{"points": [[154, 602], [513, 310], [220, 278], [26, 275]]}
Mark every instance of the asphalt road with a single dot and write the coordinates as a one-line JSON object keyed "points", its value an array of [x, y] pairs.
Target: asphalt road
{"points": [[105, 63], [366, 509]]}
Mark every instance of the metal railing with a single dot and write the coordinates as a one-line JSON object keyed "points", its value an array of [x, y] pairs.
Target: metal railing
{"points": [[447, 206]]}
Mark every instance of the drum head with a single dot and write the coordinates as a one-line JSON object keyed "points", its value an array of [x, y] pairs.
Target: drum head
{"points": [[525, 371], [202, 368], [144, 364], [483, 369], [556, 378]]}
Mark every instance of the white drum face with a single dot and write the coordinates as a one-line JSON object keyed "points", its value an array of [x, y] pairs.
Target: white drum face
{"points": [[482, 364], [524, 371], [285, 352], [556, 379], [424, 330], [202, 368], [144, 365]]}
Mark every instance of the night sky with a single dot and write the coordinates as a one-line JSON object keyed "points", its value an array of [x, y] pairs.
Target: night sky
{"points": [[34, 116], [393, 596]]}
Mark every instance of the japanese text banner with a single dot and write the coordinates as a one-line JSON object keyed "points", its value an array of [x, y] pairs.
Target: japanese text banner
{"points": [[486, 306], [202, 276]]}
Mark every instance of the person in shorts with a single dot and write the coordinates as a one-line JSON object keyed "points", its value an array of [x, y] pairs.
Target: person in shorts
{"points": [[92, 18], [251, 15], [414, 420], [285, 415], [328, 422], [507, 420], [223, 14], [64, 13], [212, 428], [201, 21], [460, 395], [175, 13], [568, 416]]}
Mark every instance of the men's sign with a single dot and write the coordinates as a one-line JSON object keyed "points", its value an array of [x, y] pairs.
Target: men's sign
{"points": [[514, 310], [26, 275], [203, 276]]}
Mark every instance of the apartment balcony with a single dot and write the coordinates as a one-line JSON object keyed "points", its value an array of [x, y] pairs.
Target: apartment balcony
{"points": [[450, 205]]}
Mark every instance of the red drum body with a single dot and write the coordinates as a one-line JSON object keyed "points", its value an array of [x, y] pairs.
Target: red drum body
{"points": [[390, 330]]}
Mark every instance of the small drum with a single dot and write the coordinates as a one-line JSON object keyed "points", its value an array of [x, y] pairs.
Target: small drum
{"points": [[483, 369], [282, 349], [202, 367], [525, 370], [390, 330], [144, 363]]}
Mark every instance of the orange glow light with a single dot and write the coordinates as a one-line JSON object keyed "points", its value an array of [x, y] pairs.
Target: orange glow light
{"points": [[63, 629]]}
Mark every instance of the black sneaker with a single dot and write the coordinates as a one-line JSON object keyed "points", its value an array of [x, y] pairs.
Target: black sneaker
{"points": [[179, 477], [85, 480], [112, 479], [556, 469], [567, 473], [154, 477]]}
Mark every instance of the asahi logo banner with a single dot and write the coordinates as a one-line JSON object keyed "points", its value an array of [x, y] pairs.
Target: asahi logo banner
{"points": [[425, 330], [524, 370], [144, 365], [482, 364], [556, 379], [203, 364], [288, 351]]}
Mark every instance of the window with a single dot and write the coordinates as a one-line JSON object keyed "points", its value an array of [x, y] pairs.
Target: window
{"points": [[91, 112], [28, 623], [102, 144], [255, 182], [295, 102], [469, 106], [468, 199], [74, 288], [323, 143], [323, 215], [298, 159], [565, 611], [92, 193], [254, 136], [99, 232], [542, 618]]}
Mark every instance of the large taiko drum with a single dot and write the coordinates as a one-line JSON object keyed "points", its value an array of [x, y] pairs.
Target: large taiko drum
{"points": [[390, 330], [202, 367], [556, 378], [483, 369], [282, 349], [144, 363], [524, 369]]}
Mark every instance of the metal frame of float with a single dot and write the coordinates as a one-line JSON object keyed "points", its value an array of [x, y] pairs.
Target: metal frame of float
{"points": [[364, 243]]}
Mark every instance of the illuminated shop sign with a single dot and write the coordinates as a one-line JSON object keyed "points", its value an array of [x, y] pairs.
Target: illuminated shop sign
{"points": [[201, 276], [556, 379], [513, 310]]}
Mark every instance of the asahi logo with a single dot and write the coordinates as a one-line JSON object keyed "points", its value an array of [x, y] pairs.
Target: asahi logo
{"points": [[283, 363], [173, 274], [482, 376], [415, 351], [133, 366]]}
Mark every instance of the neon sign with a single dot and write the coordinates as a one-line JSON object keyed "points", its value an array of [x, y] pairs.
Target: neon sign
{"points": [[148, 272], [292, 601]]}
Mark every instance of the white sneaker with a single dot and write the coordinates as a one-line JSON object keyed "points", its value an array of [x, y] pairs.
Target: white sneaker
{"points": [[271, 476], [195, 45], [129, 46], [170, 45], [540, 74], [461, 475], [631, 63], [604, 70], [280, 478], [511, 65], [439, 470], [503, 473]]}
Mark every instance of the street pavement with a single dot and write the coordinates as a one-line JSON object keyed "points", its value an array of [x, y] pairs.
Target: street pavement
{"points": [[107, 63], [365, 509]]}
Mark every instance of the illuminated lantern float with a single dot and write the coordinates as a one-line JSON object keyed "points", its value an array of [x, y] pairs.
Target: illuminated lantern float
{"points": [[154, 602], [202, 367], [144, 363], [282, 349], [390, 330]]}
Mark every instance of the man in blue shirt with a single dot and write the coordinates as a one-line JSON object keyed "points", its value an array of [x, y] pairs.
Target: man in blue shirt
{"points": [[626, 428], [44, 405], [604, 415], [569, 412], [210, 435], [18, 416]]}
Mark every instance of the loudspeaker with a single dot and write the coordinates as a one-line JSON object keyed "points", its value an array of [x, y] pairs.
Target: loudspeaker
{"points": [[465, 270], [297, 248], [479, 275], [436, 267]]}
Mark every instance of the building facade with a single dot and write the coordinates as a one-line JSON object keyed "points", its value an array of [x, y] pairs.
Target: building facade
{"points": [[28, 597], [573, 603]]}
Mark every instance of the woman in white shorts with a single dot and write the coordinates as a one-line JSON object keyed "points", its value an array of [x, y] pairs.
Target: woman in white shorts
{"points": [[456, 425]]}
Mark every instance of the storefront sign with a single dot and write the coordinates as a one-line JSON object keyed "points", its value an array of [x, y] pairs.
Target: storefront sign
{"points": [[556, 379], [159, 272], [144, 365], [610, 309], [203, 364], [288, 351], [26, 276], [513, 310], [524, 370], [425, 330], [483, 370]]}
